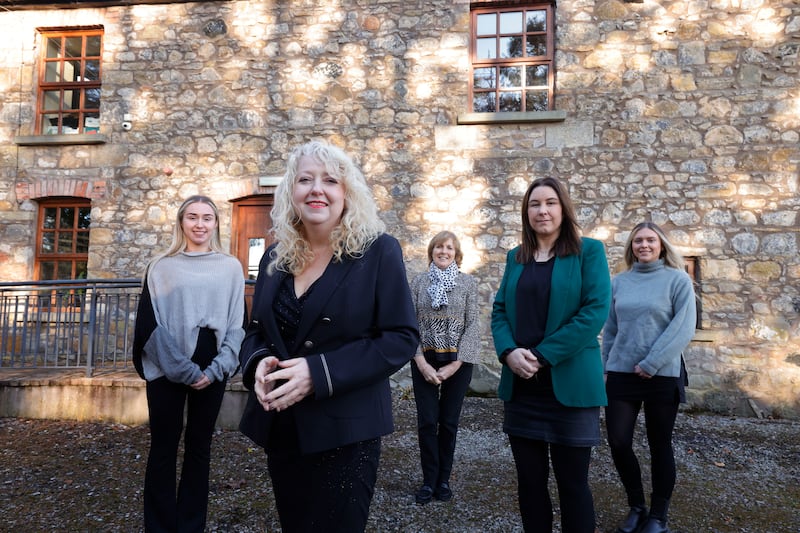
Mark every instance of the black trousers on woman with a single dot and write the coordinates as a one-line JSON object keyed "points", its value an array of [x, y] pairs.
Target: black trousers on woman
{"points": [[659, 416], [325, 492], [438, 412], [571, 470], [181, 509]]}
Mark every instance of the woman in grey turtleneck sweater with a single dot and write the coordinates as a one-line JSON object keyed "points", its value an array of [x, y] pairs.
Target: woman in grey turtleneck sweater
{"points": [[652, 320], [188, 331]]}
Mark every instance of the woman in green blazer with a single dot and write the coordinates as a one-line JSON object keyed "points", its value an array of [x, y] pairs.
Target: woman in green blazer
{"points": [[552, 302]]}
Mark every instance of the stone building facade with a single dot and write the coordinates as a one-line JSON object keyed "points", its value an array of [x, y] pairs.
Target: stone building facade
{"points": [[683, 112]]}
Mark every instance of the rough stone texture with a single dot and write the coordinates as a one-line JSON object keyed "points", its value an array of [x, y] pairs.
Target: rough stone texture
{"points": [[684, 113]]}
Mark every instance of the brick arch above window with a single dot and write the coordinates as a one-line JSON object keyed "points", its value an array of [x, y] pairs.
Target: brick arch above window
{"points": [[46, 188]]}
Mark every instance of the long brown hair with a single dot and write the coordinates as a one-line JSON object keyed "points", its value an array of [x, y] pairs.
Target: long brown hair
{"points": [[569, 235]]}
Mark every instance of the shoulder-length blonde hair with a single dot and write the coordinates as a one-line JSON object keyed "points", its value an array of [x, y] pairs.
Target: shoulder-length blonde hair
{"points": [[569, 235], [441, 238], [179, 237], [668, 253], [359, 226]]}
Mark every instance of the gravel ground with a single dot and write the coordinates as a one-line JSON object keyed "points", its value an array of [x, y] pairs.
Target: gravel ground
{"points": [[734, 475]]}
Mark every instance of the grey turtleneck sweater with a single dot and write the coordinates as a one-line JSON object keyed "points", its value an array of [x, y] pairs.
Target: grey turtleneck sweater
{"points": [[652, 320], [190, 291]]}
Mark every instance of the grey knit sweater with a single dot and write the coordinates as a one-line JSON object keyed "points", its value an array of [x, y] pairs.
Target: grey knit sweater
{"points": [[452, 326], [652, 320], [190, 291]]}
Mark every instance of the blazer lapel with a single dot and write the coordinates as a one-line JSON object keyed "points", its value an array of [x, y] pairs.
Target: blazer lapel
{"points": [[561, 290], [321, 293]]}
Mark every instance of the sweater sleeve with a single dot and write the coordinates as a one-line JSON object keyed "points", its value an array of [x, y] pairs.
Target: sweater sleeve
{"points": [[677, 335], [162, 350], [226, 362]]}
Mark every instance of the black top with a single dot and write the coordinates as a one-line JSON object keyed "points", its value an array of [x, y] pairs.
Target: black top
{"points": [[533, 301]]}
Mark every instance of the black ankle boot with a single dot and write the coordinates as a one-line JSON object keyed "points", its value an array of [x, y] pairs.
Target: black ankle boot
{"points": [[636, 518], [655, 525]]}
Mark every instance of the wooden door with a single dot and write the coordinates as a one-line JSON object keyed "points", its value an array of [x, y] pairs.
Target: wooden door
{"points": [[250, 236]]}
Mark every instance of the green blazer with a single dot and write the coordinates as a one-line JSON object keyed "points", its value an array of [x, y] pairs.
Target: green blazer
{"points": [[580, 296]]}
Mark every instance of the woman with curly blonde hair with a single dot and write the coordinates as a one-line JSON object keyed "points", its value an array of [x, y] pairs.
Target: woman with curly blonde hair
{"points": [[359, 225], [332, 320]]}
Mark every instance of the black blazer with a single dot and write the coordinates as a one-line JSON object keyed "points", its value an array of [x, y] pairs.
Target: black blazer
{"points": [[358, 328]]}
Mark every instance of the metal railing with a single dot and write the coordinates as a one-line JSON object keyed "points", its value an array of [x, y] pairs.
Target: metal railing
{"points": [[68, 323]]}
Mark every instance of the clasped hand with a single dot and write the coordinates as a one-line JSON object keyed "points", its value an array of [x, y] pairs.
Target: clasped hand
{"points": [[523, 363], [295, 382]]}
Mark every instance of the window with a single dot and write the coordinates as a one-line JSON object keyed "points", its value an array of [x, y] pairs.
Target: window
{"points": [[512, 59], [62, 238], [692, 266], [69, 82]]}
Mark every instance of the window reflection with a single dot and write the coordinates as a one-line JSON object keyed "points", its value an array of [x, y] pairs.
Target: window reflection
{"points": [[511, 101], [536, 21], [536, 76], [511, 22], [483, 78], [487, 48], [484, 103], [511, 46], [486, 24], [256, 248], [511, 77]]}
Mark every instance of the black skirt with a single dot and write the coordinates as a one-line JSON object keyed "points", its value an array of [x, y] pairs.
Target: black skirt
{"points": [[542, 417]]}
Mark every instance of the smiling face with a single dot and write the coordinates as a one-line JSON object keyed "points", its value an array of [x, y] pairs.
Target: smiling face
{"points": [[444, 254], [199, 222], [646, 245], [317, 197], [544, 211]]}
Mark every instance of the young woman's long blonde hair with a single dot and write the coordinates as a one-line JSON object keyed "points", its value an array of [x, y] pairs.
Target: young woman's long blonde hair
{"points": [[668, 253], [359, 226], [179, 238]]}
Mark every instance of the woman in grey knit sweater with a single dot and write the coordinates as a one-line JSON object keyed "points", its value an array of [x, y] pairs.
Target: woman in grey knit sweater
{"points": [[652, 320], [447, 311], [188, 331]]}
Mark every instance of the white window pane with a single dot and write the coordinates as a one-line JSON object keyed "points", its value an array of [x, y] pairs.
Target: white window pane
{"points": [[487, 24]]}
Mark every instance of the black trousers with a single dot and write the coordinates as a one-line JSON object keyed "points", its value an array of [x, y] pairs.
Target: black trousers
{"points": [[324, 492], [168, 508], [438, 412], [659, 416], [571, 470]]}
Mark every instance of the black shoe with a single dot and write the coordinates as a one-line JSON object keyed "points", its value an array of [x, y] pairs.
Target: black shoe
{"points": [[655, 525], [636, 518], [443, 492], [424, 495]]}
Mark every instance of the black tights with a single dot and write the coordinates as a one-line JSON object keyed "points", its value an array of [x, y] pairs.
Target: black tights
{"points": [[659, 419], [571, 470]]}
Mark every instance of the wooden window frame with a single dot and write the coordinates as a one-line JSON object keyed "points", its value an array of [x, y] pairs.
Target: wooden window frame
{"points": [[548, 59], [73, 257], [692, 267], [61, 110]]}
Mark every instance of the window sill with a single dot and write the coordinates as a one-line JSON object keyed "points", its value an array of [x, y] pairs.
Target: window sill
{"points": [[59, 140], [706, 335], [512, 118]]}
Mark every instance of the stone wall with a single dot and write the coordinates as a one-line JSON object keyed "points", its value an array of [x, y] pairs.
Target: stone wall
{"points": [[686, 113]]}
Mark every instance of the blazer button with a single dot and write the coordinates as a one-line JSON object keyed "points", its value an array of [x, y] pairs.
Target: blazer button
{"points": [[326, 320], [308, 344]]}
